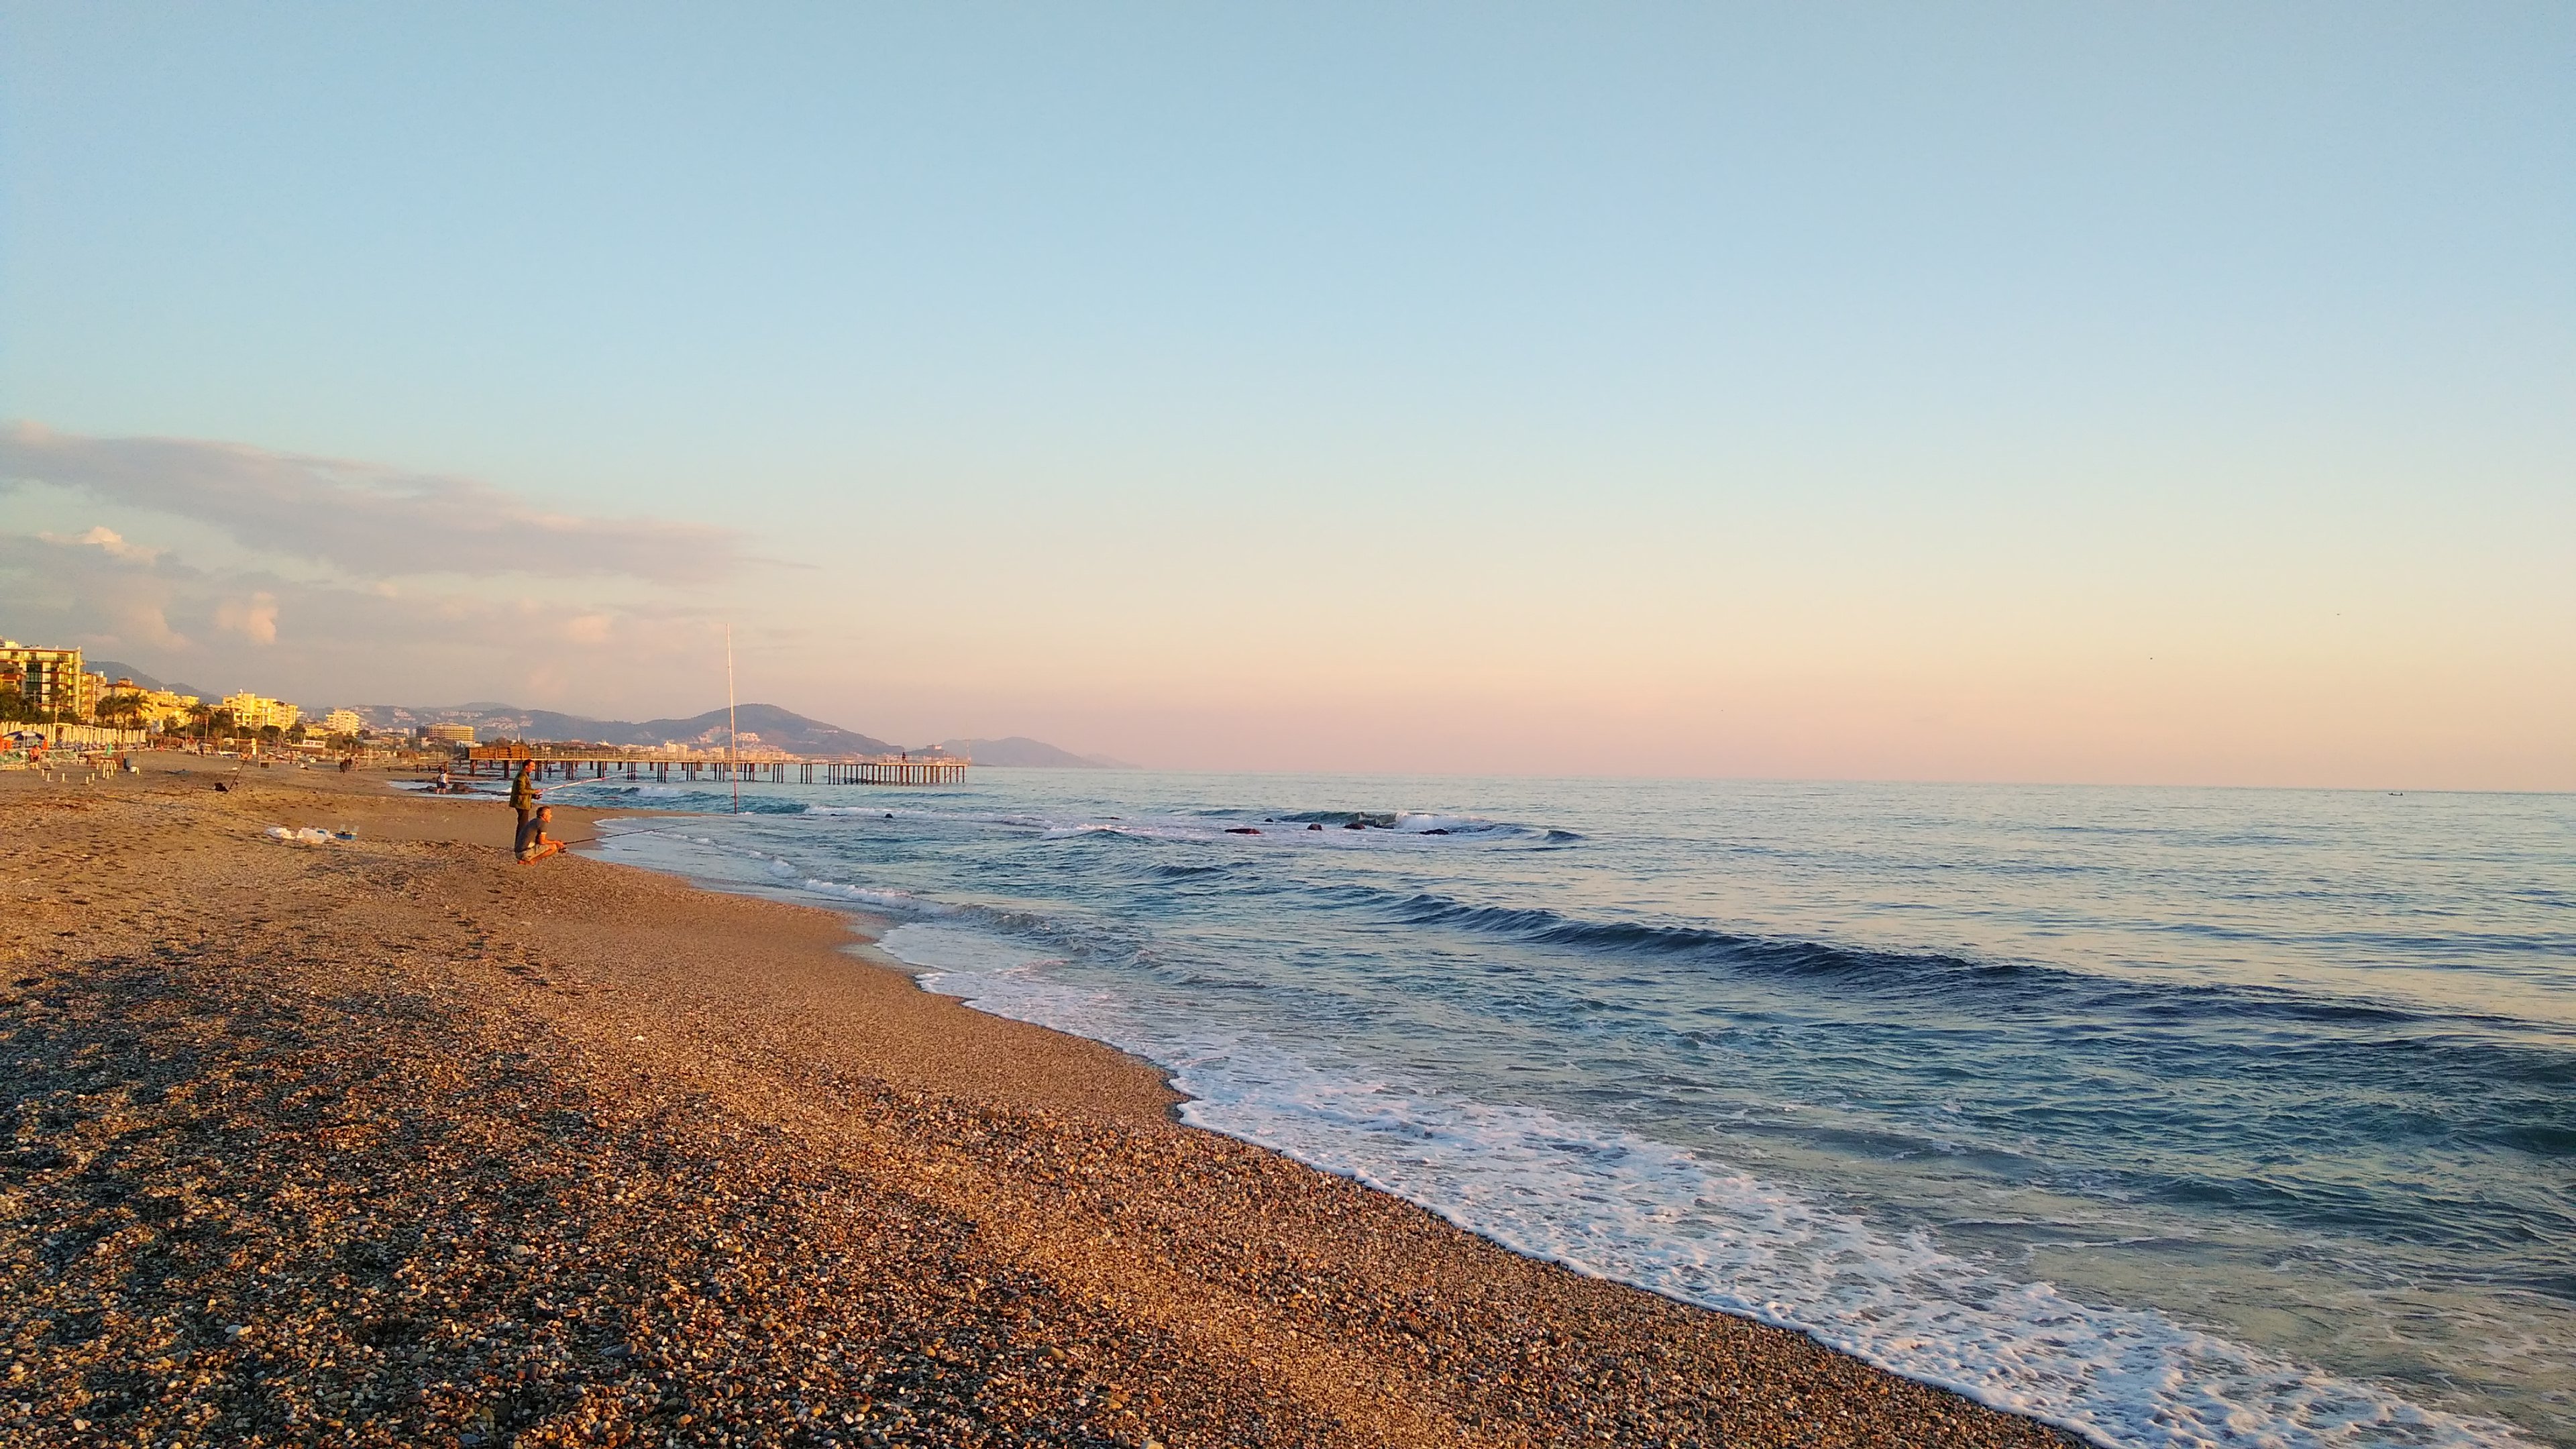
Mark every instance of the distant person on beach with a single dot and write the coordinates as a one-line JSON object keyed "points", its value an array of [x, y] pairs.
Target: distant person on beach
{"points": [[533, 845], [524, 793]]}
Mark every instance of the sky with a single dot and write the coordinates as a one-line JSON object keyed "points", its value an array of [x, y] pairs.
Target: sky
{"points": [[2159, 394]]}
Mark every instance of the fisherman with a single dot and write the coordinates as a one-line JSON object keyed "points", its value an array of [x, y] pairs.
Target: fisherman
{"points": [[533, 845], [524, 794]]}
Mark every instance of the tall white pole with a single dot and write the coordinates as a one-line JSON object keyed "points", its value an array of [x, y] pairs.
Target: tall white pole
{"points": [[733, 739]]}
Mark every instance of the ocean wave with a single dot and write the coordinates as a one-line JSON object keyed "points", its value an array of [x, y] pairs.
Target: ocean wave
{"points": [[1358, 828], [902, 903], [1889, 972], [1338, 826], [1611, 1203], [699, 798], [1406, 822], [1011, 820]]}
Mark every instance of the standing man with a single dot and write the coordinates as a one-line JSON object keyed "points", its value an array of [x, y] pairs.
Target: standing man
{"points": [[523, 795]]}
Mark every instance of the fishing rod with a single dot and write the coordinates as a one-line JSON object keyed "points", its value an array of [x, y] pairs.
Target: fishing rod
{"points": [[653, 830], [733, 732]]}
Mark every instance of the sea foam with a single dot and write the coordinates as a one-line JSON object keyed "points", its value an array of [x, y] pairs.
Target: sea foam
{"points": [[1615, 1205]]}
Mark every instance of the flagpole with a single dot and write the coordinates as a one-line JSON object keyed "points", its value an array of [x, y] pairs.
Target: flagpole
{"points": [[733, 739]]}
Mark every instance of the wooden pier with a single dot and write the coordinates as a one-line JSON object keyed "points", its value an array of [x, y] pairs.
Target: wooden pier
{"points": [[505, 760]]}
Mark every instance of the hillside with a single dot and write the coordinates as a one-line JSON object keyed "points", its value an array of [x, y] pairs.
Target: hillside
{"points": [[761, 724], [1021, 752], [115, 670], [764, 724]]}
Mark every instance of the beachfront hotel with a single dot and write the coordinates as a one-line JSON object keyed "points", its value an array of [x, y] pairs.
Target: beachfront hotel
{"points": [[51, 680]]}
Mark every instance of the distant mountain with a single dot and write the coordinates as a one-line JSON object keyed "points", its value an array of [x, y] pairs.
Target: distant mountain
{"points": [[115, 671], [778, 728], [1021, 752], [763, 724], [495, 721]]}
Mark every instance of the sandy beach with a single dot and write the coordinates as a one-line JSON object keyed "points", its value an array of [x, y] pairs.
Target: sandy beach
{"points": [[393, 1141]]}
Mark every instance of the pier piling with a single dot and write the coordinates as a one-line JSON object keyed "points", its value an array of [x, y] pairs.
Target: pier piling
{"points": [[504, 760]]}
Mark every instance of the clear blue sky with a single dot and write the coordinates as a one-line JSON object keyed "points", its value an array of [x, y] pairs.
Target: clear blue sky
{"points": [[2164, 393]]}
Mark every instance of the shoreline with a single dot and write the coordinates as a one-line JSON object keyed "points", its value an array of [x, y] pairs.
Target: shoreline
{"points": [[398, 1141]]}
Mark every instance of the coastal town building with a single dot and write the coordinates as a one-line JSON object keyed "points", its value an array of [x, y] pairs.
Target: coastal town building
{"points": [[342, 722], [257, 712], [151, 709], [448, 734], [169, 709], [50, 680]]}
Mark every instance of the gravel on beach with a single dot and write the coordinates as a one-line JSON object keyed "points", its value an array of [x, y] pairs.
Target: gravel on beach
{"points": [[391, 1141]]}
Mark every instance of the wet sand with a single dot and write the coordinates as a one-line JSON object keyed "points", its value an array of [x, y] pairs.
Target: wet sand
{"points": [[396, 1141]]}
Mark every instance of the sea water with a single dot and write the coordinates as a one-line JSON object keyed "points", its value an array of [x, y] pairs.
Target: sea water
{"points": [[2176, 1117]]}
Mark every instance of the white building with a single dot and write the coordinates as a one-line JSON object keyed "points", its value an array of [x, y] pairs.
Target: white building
{"points": [[256, 711], [49, 679]]}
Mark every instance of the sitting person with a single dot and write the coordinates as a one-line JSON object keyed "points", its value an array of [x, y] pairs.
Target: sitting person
{"points": [[533, 844]]}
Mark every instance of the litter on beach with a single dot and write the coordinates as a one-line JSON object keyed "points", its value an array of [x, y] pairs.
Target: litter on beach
{"points": [[308, 835]]}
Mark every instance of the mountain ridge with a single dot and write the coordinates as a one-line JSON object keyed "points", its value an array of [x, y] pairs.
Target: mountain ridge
{"points": [[1019, 752], [761, 724], [117, 669]]}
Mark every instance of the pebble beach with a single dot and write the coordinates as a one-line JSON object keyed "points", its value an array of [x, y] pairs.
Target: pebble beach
{"points": [[392, 1141]]}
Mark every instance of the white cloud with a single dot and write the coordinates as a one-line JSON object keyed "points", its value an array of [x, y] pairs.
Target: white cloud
{"points": [[295, 638], [107, 541], [371, 520], [142, 621], [254, 618]]}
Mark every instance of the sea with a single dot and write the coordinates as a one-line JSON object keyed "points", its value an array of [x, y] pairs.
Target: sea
{"points": [[2170, 1116]]}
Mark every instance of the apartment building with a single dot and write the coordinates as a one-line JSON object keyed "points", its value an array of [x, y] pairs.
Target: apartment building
{"points": [[154, 709], [51, 680], [255, 711]]}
